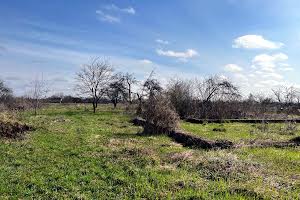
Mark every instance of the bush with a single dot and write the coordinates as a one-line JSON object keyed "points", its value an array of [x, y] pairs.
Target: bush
{"points": [[160, 116], [10, 127]]}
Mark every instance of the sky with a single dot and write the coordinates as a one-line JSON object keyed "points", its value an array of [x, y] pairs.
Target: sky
{"points": [[254, 43]]}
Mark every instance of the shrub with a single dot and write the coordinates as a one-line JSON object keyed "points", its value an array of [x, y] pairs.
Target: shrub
{"points": [[160, 116], [10, 127]]}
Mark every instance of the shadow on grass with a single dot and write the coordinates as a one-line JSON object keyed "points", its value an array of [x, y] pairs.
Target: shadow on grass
{"points": [[126, 135]]}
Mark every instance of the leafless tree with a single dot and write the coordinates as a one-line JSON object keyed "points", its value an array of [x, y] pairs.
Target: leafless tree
{"points": [[149, 88], [215, 89], [278, 93], [117, 90], [130, 80], [37, 92], [125, 83], [290, 94], [181, 95], [94, 79], [5, 92], [298, 96]]}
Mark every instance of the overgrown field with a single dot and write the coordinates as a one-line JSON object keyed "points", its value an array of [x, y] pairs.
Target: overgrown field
{"points": [[75, 154]]}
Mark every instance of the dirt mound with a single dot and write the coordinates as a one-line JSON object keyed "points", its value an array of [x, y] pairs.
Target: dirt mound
{"points": [[13, 129], [296, 140], [191, 140]]}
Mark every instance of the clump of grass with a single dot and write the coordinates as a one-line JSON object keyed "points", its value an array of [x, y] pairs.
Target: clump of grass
{"points": [[226, 166], [263, 127], [288, 128], [221, 128]]}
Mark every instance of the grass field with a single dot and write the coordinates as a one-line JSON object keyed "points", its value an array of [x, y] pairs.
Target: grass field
{"points": [[244, 132], [75, 154]]}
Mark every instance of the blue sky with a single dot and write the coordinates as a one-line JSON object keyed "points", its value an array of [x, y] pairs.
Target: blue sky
{"points": [[253, 42]]}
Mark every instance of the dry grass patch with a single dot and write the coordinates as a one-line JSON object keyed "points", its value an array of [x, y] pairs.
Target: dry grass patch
{"points": [[11, 127]]}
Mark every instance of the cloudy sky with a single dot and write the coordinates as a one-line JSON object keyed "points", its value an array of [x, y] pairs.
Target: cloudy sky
{"points": [[255, 43]]}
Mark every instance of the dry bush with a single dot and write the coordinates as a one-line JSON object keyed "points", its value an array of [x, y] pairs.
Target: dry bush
{"points": [[10, 127], [159, 115], [13, 130]]}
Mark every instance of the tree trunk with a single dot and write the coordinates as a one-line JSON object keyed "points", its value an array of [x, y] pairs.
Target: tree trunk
{"points": [[36, 106], [129, 95], [94, 106]]}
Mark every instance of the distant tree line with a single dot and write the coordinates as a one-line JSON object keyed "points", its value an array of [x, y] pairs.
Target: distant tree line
{"points": [[209, 98]]}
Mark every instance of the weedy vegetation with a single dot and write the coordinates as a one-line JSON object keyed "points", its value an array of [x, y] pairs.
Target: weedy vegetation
{"points": [[73, 153]]}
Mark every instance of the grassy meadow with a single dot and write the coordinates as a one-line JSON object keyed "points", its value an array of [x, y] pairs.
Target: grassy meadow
{"points": [[75, 154]]}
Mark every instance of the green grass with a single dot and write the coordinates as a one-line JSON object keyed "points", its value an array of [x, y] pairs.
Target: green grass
{"points": [[242, 132], [75, 154]]}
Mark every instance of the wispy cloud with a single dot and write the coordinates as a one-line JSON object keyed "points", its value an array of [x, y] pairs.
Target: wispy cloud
{"points": [[233, 68], [189, 53], [266, 71], [268, 62], [107, 17], [111, 13], [146, 61], [160, 41], [255, 42], [129, 10]]}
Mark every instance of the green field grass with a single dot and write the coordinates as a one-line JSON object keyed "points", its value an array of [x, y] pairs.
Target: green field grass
{"points": [[75, 154], [243, 132]]}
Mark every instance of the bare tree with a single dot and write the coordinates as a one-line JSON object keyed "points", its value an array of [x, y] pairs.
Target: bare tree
{"points": [[130, 80], [149, 88], [180, 93], [290, 95], [278, 93], [94, 79], [215, 89], [38, 91], [298, 96], [117, 89], [5, 92]]}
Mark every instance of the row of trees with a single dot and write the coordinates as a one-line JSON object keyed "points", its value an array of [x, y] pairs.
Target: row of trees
{"points": [[98, 80], [212, 97]]}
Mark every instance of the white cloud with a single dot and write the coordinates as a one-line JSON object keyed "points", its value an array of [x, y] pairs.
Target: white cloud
{"points": [[106, 17], [146, 61], [128, 10], [286, 69], [160, 41], [268, 62], [233, 68], [265, 72], [109, 12], [189, 53], [255, 42]]}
